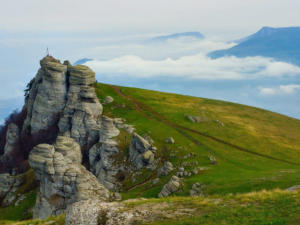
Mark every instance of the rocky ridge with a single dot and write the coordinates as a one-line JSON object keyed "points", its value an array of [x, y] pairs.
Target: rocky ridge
{"points": [[61, 101]]}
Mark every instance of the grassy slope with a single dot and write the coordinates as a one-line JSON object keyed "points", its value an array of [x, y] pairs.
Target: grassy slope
{"points": [[255, 129], [236, 171]]}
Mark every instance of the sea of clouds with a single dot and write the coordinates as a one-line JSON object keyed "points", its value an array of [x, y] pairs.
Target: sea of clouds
{"points": [[176, 65]]}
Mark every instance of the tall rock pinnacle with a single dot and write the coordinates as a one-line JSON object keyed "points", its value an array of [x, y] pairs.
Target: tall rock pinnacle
{"points": [[63, 95]]}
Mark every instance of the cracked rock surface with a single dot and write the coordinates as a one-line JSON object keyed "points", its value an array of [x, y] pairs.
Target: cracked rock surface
{"points": [[63, 180]]}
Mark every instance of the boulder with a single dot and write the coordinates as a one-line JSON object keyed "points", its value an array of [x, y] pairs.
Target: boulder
{"points": [[171, 187], [196, 190], [166, 169], [108, 100], [63, 180], [294, 188], [170, 140], [95, 212], [141, 152]]}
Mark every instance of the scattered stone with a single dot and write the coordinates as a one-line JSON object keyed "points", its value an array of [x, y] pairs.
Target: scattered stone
{"points": [[294, 188], [195, 171], [155, 181], [220, 123], [181, 169], [166, 169], [63, 180], [212, 159], [197, 119], [108, 100], [170, 140], [171, 187], [196, 190], [20, 199]]}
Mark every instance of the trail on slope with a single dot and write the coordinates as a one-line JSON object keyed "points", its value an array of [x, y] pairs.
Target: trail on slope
{"points": [[152, 114]]}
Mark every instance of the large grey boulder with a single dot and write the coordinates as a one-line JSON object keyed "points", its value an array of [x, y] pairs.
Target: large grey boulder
{"points": [[171, 187], [141, 152], [94, 212], [63, 180]]}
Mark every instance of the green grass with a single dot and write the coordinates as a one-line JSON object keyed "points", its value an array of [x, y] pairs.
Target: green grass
{"points": [[258, 208], [255, 129], [21, 212]]}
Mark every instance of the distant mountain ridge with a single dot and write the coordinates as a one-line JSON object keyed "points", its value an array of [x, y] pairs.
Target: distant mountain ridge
{"points": [[197, 35], [282, 44], [82, 61]]}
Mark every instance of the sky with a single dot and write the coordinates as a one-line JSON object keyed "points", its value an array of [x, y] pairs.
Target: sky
{"points": [[116, 35]]}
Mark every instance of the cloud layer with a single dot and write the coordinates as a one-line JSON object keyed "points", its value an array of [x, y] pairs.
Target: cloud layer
{"points": [[195, 67], [279, 90]]}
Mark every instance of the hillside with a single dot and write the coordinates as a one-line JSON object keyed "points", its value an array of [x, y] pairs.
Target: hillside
{"points": [[282, 44], [255, 149], [215, 162]]}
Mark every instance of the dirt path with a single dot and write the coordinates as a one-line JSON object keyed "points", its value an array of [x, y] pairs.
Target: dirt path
{"points": [[152, 114]]}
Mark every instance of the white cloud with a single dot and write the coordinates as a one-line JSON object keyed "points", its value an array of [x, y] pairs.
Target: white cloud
{"points": [[280, 90], [194, 67]]}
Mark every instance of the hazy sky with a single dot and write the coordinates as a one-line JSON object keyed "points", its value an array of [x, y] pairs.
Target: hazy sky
{"points": [[115, 32], [230, 18]]}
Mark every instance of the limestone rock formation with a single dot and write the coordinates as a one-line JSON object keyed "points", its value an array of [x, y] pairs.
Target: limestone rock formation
{"points": [[141, 152], [171, 187], [82, 111], [8, 187], [63, 94], [102, 155], [12, 137], [47, 95], [93, 212], [63, 180]]}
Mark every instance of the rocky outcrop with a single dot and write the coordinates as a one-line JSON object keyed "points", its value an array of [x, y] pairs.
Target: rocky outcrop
{"points": [[171, 187], [141, 152], [81, 115], [63, 180], [93, 212], [12, 136], [63, 94], [47, 96], [102, 155], [8, 187]]}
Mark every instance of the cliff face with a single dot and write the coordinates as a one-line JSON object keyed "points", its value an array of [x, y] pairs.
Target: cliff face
{"points": [[63, 95]]}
